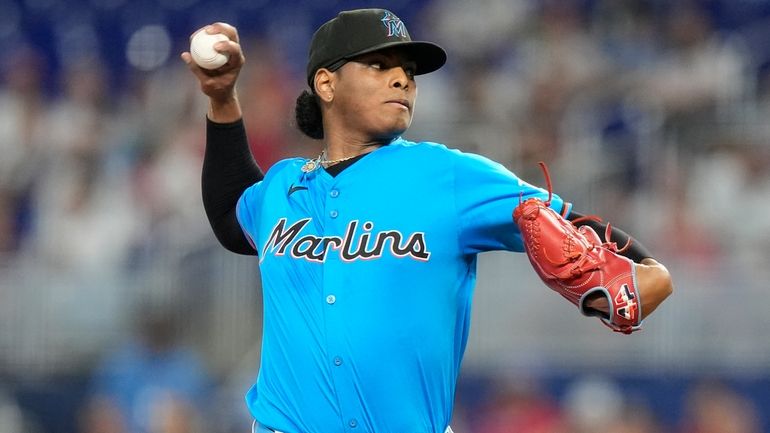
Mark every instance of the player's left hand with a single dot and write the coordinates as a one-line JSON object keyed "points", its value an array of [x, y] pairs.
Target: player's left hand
{"points": [[655, 286]]}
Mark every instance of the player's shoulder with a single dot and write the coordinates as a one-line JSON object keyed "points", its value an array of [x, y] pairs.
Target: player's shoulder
{"points": [[431, 148], [443, 152], [402, 142], [285, 167]]}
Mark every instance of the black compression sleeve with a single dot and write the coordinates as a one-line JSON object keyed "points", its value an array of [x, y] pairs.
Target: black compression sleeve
{"points": [[636, 252], [228, 169]]}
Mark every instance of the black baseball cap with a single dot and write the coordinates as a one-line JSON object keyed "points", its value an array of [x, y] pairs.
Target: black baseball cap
{"points": [[360, 31]]}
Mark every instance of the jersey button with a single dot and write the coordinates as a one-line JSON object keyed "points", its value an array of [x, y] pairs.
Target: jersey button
{"points": [[333, 214], [331, 299], [353, 423], [334, 193], [337, 361]]}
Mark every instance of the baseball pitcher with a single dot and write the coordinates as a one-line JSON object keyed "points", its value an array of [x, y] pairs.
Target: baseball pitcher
{"points": [[368, 252]]}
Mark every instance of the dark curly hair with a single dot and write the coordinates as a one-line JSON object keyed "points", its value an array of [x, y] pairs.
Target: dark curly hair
{"points": [[308, 115]]}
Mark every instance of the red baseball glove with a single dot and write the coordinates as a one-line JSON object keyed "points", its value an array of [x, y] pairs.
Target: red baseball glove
{"points": [[575, 263]]}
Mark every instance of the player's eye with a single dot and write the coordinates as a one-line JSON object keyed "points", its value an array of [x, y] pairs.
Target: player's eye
{"points": [[376, 64], [410, 71]]}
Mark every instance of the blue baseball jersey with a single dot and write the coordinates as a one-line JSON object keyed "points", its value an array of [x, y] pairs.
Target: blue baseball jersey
{"points": [[367, 282]]}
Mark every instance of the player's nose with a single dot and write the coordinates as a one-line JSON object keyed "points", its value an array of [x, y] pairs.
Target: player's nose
{"points": [[400, 79]]}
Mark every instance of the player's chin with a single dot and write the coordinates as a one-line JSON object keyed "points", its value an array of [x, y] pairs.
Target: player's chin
{"points": [[389, 134], [399, 124], [396, 132]]}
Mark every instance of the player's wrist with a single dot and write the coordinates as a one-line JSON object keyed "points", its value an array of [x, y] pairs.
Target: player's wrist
{"points": [[224, 109]]}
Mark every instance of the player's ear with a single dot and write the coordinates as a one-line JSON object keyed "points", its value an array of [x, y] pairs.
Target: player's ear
{"points": [[324, 84]]}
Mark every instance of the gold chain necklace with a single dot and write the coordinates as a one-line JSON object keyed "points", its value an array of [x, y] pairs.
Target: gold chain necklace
{"points": [[312, 164]]}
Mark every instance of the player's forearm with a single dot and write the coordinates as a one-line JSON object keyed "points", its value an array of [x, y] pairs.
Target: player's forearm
{"points": [[635, 251], [228, 169]]}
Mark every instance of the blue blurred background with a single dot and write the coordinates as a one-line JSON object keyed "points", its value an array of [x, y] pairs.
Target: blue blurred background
{"points": [[119, 312]]}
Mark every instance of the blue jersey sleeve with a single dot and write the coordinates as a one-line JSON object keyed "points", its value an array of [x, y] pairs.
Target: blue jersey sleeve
{"points": [[486, 194], [247, 211]]}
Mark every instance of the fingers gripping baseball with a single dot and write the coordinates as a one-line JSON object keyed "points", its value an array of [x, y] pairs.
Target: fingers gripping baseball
{"points": [[218, 83]]}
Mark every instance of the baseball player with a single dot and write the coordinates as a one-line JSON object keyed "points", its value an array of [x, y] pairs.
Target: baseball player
{"points": [[368, 252]]}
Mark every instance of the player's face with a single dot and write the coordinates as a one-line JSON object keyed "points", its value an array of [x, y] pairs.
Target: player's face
{"points": [[376, 93]]}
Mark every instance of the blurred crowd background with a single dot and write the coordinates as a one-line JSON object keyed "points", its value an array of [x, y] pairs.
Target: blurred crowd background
{"points": [[119, 312]]}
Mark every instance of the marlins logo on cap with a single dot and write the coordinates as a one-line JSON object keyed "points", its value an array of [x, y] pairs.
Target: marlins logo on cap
{"points": [[394, 25]]}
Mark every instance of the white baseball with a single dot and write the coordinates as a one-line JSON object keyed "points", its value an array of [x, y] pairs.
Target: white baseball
{"points": [[203, 52]]}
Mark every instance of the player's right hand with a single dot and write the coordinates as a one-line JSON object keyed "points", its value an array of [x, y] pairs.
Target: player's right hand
{"points": [[219, 84]]}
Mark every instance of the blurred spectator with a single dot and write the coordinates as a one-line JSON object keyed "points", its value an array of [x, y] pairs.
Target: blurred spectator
{"points": [[22, 136], [11, 420], [86, 221], [522, 408], [14, 419], [456, 24], [165, 178], [713, 407], [628, 33], [268, 94], [681, 227], [734, 172], [636, 419], [564, 72], [592, 404], [563, 49], [597, 404], [150, 383], [699, 72]]}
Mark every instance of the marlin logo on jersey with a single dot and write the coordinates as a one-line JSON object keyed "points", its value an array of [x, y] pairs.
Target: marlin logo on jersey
{"points": [[356, 244], [394, 25]]}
